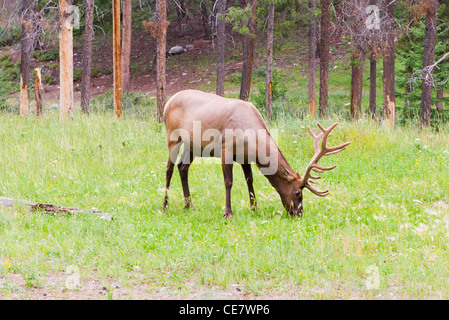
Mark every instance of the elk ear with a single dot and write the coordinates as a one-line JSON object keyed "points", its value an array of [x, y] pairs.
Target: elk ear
{"points": [[286, 175]]}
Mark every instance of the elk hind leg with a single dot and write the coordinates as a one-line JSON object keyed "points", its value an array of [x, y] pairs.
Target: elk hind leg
{"points": [[173, 150], [183, 167]]}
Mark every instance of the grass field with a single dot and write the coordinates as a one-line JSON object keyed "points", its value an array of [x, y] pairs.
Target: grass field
{"points": [[382, 233]]}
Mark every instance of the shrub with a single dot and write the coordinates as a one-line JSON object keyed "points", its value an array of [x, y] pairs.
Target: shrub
{"points": [[278, 90], [134, 104], [77, 73], [49, 55], [48, 79]]}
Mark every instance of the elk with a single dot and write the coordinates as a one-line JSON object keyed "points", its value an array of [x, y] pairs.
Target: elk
{"points": [[208, 125]]}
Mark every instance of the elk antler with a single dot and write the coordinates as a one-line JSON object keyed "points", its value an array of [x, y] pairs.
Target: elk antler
{"points": [[325, 151]]}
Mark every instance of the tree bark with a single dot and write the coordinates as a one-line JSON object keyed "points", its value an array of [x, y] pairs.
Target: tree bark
{"points": [[26, 51], [428, 59], [248, 53], [372, 86], [87, 56], [312, 53], [389, 109], [221, 47], [205, 20], [38, 92], [324, 57], [356, 84], [65, 60], [117, 58], [126, 43], [161, 55], [408, 87], [269, 80], [181, 12], [440, 94]]}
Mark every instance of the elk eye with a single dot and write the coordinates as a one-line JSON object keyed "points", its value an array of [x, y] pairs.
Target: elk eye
{"points": [[298, 193]]}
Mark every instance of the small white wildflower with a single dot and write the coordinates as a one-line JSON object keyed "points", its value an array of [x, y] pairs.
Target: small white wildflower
{"points": [[379, 217], [421, 229]]}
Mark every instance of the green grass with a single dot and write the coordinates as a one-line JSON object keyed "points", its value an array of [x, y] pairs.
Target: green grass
{"points": [[381, 213]]}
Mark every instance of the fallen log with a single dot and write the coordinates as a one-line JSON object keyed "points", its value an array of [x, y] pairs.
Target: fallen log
{"points": [[50, 208]]}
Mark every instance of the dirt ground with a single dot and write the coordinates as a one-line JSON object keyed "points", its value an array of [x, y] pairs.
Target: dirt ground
{"points": [[54, 286]]}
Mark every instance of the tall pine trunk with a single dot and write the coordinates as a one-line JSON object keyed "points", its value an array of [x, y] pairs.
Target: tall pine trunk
{"points": [[126, 43], [65, 60], [269, 82], [312, 52], [324, 57], [117, 58], [181, 12], [372, 86], [248, 54], [26, 51], [408, 88], [221, 47], [162, 24], [87, 56], [428, 59], [205, 20], [440, 94], [389, 109], [356, 84]]}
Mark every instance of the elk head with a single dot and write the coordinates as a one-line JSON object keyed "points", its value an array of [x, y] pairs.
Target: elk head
{"points": [[291, 186]]}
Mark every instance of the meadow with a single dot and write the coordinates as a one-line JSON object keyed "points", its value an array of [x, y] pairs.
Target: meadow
{"points": [[382, 233]]}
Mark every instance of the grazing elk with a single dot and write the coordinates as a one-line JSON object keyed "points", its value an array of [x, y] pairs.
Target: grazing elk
{"points": [[233, 130]]}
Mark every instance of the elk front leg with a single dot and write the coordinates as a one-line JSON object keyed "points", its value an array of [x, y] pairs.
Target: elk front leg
{"points": [[249, 181], [227, 174]]}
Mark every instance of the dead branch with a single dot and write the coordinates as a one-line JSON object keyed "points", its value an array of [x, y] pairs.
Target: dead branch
{"points": [[53, 209]]}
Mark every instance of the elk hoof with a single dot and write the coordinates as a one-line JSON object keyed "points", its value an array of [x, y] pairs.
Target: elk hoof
{"points": [[254, 206], [188, 204], [228, 215]]}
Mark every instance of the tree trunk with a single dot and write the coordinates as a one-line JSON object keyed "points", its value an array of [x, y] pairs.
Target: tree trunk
{"points": [[221, 47], [408, 87], [26, 51], [205, 20], [440, 94], [181, 12], [324, 57], [372, 86], [65, 60], [356, 84], [389, 109], [87, 56], [126, 43], [269, 82], [38, 92], [161, 55], [117, 58], [312, 53], [428, 59], [248, 53]]}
